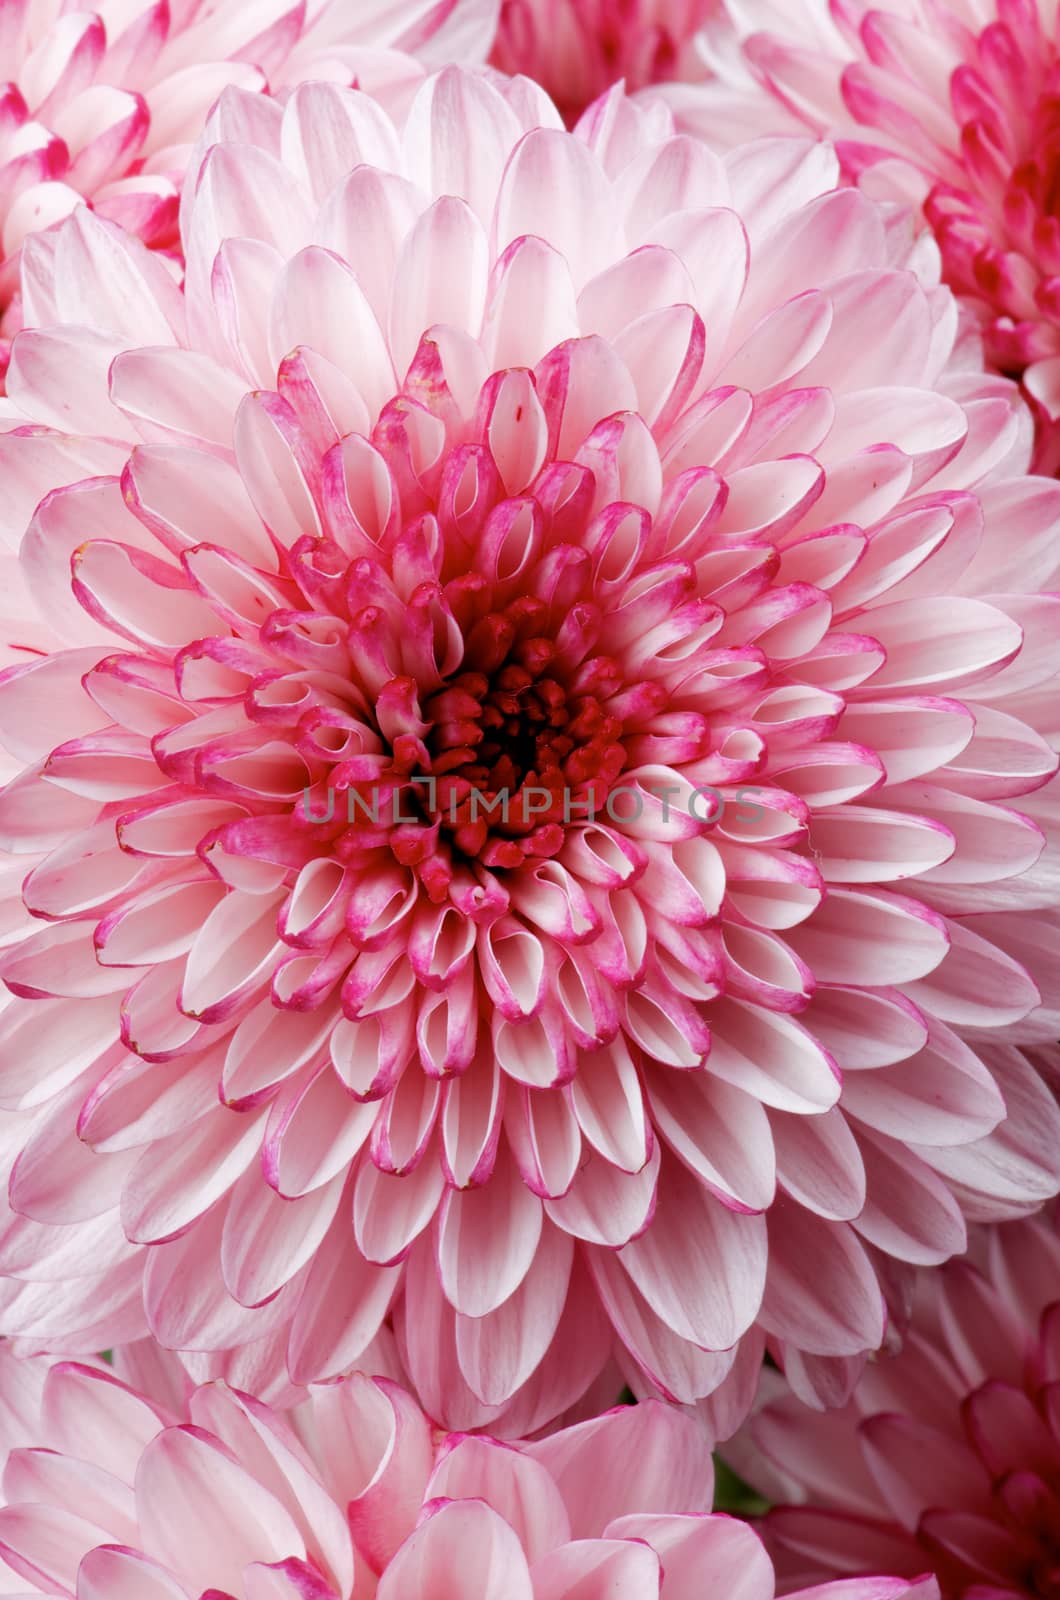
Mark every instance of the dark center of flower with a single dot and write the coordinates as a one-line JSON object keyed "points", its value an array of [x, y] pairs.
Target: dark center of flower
{"points": [[477, 721], [518, 742]]}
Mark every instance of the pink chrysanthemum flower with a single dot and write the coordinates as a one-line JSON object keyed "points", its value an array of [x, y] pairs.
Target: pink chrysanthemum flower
{"points": [[104, 102], [354, 1492], [576, 49], [949, 1455], [953, 104], [485, 462]]}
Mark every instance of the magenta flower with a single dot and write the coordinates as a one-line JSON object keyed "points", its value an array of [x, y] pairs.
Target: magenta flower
{"points": [[576, 49], [354, 1492], [949, 1455], [951, 105], [105, 104], [526, 781]]}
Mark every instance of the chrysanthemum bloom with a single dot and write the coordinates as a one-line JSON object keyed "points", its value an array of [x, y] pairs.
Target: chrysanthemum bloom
{"points": [[949, 1455], [953, 104], [576, 49], [104, 101], [520, 714], [355, 1493]]}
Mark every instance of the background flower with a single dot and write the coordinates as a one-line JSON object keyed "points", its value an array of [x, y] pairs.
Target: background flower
{"points": [[522, 461], [953, 106], [354, 1492], [576, 49], [949, 1454], [105, 104]]}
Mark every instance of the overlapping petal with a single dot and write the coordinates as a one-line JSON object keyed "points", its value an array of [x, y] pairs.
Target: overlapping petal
{"points": [[948, 1455], [950, 107], [526, 729], [105, 104], [109, 1491], [577, 51]]}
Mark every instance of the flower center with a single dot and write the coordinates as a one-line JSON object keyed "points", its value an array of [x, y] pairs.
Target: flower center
{"points": [[519, 740], [461, 717], [513, 750]]}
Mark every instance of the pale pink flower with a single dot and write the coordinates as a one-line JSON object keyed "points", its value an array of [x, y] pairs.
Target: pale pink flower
{"points": [[576, 49], [952, 104], [590, 479], [948, 1456], [354, 1492], [103, 101]]}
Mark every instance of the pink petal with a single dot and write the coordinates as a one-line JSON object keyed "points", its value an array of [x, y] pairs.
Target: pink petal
{"points": [[943, 1095], [701, 1267], [821, 1291], [499, 1351], [909, 1212], [184, 1481], [598, 1568], [267, 1239], [721, 1133], [516, 1486], [689, 1547], [487, 1239], [112, 1574], [340, 1309], [871, 939], [464, 1551], [178, 1178], [636, 1459], [819, 1163]]}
